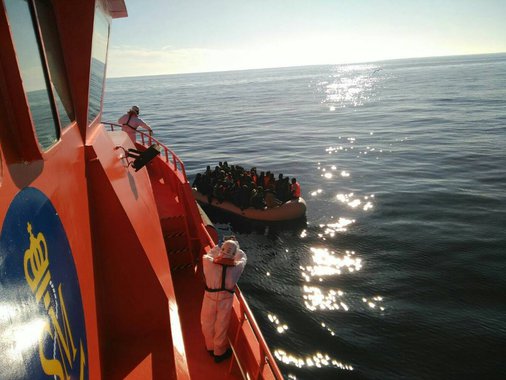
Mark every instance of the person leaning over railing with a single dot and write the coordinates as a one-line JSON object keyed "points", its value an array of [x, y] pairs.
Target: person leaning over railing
{"points": [[131, 121]]}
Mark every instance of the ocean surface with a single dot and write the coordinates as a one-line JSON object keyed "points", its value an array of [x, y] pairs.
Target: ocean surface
{"points": [[399, 271]]}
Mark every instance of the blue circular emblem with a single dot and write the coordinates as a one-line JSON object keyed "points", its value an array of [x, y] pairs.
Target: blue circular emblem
{"points": [[42, 328]]}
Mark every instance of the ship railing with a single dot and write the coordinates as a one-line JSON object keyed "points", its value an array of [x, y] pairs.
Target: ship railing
{"points": [[258, 362], [178, 169], [180, 183], [167, 154]]}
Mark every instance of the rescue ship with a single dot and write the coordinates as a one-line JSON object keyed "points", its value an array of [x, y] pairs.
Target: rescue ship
{"points": [[101, 238]]}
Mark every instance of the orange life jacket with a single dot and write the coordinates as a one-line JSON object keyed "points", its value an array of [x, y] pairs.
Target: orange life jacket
{"points": [[296, 189]]}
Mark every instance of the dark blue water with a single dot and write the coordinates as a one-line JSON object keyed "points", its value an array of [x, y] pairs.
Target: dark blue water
{"points": [[399, 272]]}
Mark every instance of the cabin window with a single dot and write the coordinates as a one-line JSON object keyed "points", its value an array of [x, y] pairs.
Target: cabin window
{"points": [[54, 55], [98, 59], [33, 74]]}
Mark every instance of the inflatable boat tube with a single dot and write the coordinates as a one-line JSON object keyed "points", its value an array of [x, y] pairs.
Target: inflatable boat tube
{"points": [[290, 210]]}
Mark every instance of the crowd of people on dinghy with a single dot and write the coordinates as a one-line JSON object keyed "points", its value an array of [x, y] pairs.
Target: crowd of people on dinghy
{"points": [[246, 188]]}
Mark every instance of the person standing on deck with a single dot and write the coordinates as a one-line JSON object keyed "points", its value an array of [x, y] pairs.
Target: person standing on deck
{"points": [[131, 121], [222, 268]]}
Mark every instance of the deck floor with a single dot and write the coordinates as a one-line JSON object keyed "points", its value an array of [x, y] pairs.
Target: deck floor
{"points": [[189, 291]]}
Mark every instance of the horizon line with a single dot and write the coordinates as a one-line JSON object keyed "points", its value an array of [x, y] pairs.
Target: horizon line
{"points": [[312, 65]]}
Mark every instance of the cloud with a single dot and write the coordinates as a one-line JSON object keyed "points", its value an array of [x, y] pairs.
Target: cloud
{"points": [[130, 61], [314, 49]]}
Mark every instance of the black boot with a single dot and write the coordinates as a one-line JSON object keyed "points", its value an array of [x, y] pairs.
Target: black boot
{"points": [[226, 355]]}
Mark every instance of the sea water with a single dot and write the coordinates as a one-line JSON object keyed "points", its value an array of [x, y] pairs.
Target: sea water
{"points": [[399, 270]]}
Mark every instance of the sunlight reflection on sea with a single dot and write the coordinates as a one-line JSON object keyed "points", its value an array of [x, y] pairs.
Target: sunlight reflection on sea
{"points": [[402, 167]]}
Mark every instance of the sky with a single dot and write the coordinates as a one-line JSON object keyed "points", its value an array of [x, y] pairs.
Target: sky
{"points": [[186, 36]]}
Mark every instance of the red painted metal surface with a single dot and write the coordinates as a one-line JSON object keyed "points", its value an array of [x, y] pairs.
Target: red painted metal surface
{"points": [[133, 238], [252, 356]]}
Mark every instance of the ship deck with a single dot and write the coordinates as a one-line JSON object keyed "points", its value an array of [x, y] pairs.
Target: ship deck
{"points": [[189, 289], [189, 296]]}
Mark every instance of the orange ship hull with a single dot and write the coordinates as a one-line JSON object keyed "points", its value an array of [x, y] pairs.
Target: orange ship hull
{"points": [[99, 259]]}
